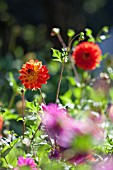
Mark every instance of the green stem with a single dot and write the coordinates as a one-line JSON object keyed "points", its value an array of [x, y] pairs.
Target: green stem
{"points": [[69, 46], [42, 96], [23, 111], [61, 40], [59, 83], [34, 135], [71, 59], [62, 69], [74, 70], [11, 101], [6, 161]]}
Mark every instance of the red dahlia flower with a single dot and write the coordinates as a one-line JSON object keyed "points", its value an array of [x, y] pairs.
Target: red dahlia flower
{"points": [[33, 74], [87, 55]]}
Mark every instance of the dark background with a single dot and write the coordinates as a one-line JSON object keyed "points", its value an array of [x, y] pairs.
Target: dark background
{"points": [[46, 14], [76, 14]]}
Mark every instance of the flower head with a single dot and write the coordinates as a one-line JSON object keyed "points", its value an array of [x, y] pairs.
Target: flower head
{"points": [[29, 162], [87, 55], [53, 119], [33, 74], [59, 124]]}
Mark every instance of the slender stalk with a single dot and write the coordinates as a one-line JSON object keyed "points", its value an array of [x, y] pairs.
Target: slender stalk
{"points": [[68, 48], [23, 111], [11, 101], [42, 96], [72, 63], [55, 142], [6, 161], [61, 40], [69, 40], [74, 69], [72, 40], [59, 83], [34, 134]]}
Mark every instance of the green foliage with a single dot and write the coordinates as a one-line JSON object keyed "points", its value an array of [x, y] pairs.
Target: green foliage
{"points": [[9, 115], [60, 56], [89, 35], [81, 37], [102, 34], [83, 143], [57, 54], [70, 33]]}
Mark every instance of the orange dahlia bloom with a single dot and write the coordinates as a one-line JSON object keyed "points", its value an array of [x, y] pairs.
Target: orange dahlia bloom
{"points": [[87, 55], [33, 74]]}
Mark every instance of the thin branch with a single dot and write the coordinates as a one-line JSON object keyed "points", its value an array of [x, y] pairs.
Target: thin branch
{"points": [[23, 111], [42, 96], [74, 70], [35, 133], [11, 101], [59, 83], [61, 40]]}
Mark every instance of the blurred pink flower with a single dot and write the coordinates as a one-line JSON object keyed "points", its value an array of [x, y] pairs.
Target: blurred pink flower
{"points": [[63, 128], [106, 164], [54, 118], [59, 124], [26, 162]]}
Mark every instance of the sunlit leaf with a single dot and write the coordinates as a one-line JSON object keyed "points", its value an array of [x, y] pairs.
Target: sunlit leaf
{"points": [[57, 54], [70, 33]]}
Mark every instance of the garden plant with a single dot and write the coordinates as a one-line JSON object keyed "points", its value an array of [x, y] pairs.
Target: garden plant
{"points": [[65, 128]]}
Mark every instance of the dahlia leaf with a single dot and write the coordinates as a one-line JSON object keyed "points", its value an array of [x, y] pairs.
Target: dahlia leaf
{"points": [[6, 152], [66, 98], [75, 43], [71, 80], [104, 56], [20, 119], [57, 54], [9, 114], [12, 82], [12, 156], [57, 60], [92, 39]]}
